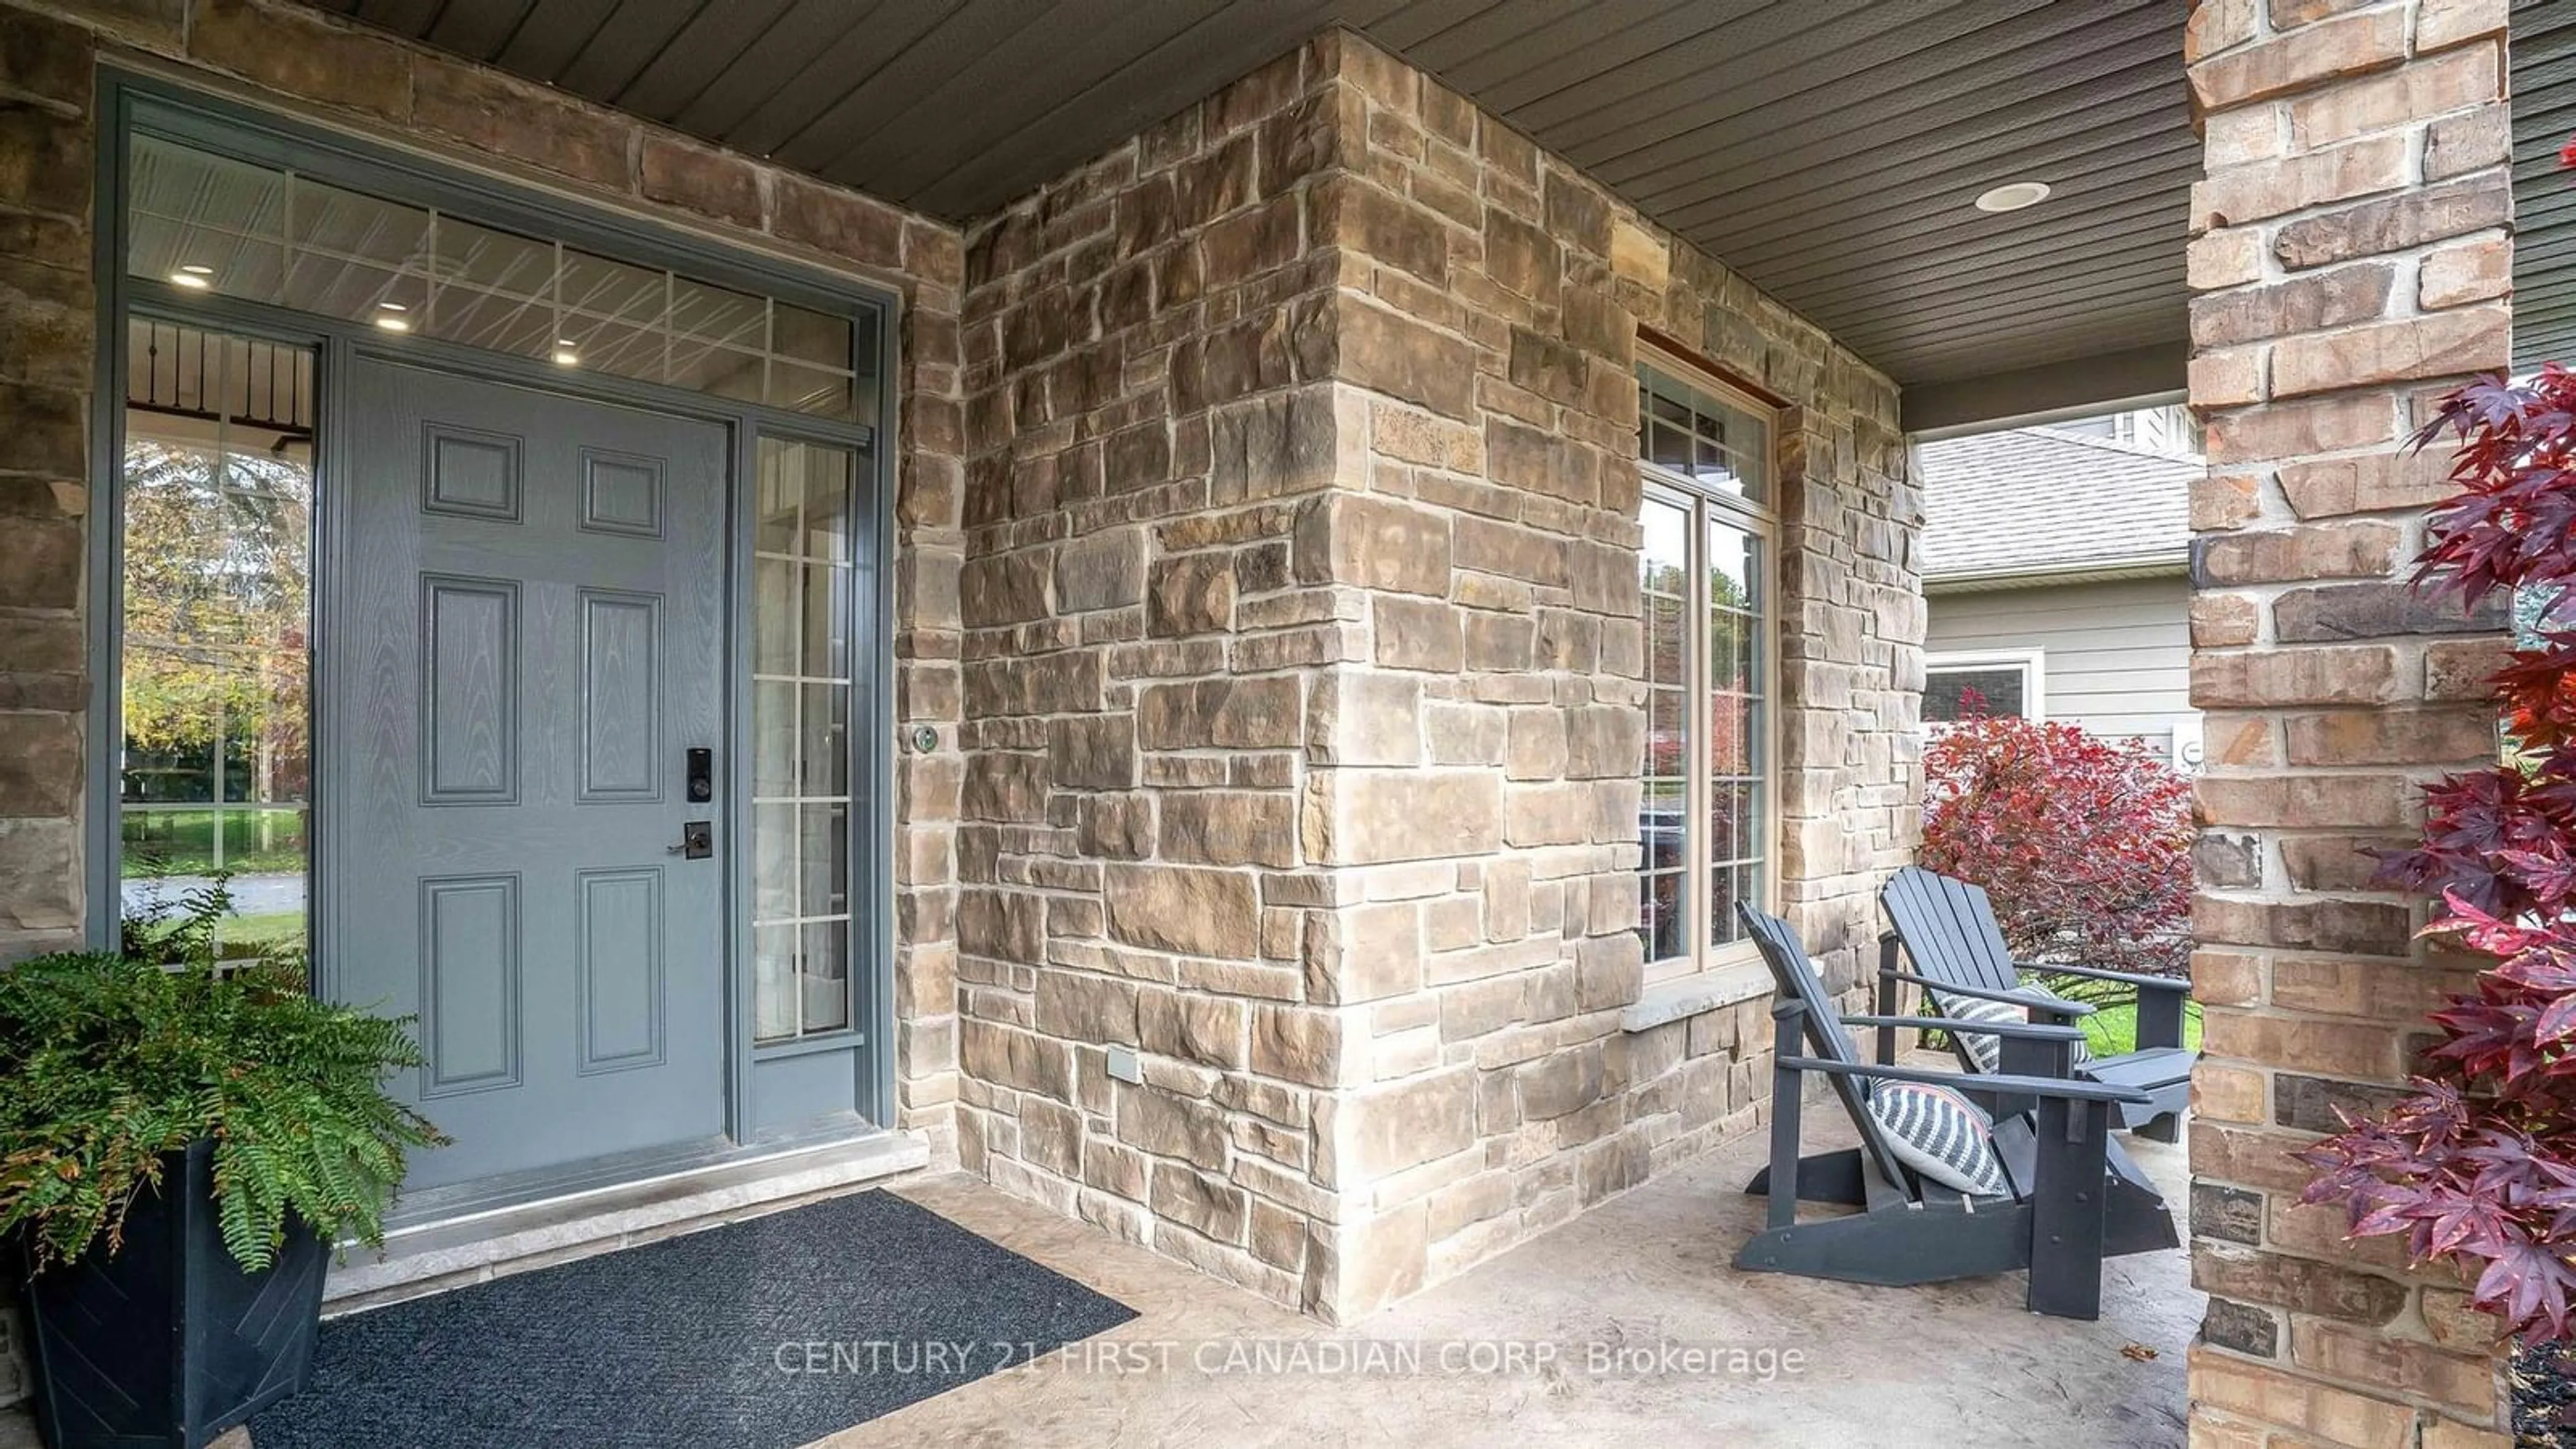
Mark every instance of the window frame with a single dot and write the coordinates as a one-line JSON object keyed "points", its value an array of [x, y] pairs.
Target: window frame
{"points": [[1760, 520], [2033, 664]]}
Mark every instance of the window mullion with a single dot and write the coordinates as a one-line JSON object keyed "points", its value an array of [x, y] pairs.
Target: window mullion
{"points": [[1696, 846]]}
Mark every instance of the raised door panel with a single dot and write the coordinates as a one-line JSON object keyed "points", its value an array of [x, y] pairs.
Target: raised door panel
{"points": [[621, 701], [621, 493], [470, 986], [469, 691], [619, 961], [471, 474]]}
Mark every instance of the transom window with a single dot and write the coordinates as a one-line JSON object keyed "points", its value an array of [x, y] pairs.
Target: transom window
{"points": [[209, 224], [1710, 800]]}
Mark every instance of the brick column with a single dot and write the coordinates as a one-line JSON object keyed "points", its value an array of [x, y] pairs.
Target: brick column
{"points": [[2351, 255]]}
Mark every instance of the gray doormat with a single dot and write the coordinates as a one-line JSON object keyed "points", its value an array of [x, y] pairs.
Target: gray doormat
{"points": [[756, 1335]]}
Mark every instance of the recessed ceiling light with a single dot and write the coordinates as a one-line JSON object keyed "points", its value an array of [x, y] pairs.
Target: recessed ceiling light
{"points": [[194, 275], [391, 307], [393, 322], [2013, 196], [566, 354]]}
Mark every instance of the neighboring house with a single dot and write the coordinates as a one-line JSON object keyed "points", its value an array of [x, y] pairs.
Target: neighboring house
{"points": [[2056, 578]]}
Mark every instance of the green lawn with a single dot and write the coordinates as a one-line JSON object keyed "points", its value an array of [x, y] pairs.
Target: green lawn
{"points": [[245, 936], [182, 842], [281, 928], [2114, 1029]]}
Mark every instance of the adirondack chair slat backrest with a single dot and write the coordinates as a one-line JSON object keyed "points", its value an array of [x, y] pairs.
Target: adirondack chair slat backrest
{"points": [[1949, 929], [1796, 976]]}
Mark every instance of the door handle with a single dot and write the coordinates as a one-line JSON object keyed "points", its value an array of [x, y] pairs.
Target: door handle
{"points": [[697, 840]]}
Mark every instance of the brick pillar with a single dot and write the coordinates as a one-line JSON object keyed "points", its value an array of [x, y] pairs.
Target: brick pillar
{"points": [[2350, 256]]}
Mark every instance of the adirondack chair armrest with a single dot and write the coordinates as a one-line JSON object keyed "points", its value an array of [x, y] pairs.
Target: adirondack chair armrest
{"points": [[2072, 1091], [2138, 979], [2015, 1030], [2054, 1008], [2160, 1000]]}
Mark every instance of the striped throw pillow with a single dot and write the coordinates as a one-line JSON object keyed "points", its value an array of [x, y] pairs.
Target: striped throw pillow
{"points": [[1939, 1134], [1986, 1050]]}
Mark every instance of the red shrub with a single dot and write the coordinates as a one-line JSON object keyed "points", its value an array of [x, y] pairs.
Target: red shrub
{"points": [[2478, 1165], [2084, 845]]}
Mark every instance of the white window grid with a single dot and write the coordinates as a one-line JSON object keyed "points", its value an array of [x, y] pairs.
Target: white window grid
{"points": [[793, 806]]}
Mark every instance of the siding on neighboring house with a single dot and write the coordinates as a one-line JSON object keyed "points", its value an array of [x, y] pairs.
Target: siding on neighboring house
{"points": [[2061, 540], [2116, 654]]}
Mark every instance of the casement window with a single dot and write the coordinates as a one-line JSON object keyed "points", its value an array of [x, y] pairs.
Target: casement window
{"points": [[2010, 682], [1708, 816]]}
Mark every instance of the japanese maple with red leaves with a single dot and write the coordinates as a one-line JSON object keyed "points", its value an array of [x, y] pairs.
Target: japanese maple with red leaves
{"points": [[2083, 844], [2476, 1165]]}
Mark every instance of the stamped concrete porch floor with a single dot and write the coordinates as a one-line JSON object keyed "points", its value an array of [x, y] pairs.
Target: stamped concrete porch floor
{"points": [[1955, 1364]]}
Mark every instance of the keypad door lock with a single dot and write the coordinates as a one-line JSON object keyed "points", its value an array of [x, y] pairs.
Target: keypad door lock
{"points": [[702, 775], [697, 840]]}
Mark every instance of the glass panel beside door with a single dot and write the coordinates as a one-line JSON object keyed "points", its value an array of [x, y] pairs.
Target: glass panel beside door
{"points": [[213, 773], [802, 680]]}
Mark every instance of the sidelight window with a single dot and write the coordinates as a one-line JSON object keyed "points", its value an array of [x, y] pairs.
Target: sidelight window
{"points": [[215, 713], [802, 682]]}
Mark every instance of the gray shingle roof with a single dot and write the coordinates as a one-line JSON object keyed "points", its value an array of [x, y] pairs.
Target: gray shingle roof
{"points": [[2036, 499]]}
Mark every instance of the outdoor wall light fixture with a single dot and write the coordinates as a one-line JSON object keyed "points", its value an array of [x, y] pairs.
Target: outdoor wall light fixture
{"points": [[2013, 196], [389, 316], [195, 276]]}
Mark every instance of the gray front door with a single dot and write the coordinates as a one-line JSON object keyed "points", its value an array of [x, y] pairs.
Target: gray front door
{"points": [[525, 640]]}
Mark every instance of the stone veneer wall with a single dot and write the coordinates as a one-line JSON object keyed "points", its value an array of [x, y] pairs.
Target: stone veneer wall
{"points": [[1483, 787], [2351, 254], [1302, 684], [1148, 346], [316, 65]]}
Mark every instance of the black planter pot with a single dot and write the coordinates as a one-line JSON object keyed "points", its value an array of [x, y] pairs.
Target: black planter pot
{"points": [[169, 1343]]}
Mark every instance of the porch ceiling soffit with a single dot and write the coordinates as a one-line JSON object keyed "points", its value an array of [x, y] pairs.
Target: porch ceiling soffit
{"points": [[1827, 149]]}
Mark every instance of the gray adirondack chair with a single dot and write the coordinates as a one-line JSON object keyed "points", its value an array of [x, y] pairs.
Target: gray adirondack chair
{"points": [[2076, 1197], [1947, 928]]}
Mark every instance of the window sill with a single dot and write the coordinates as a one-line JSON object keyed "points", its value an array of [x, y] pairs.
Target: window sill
{"points": [[1687, 996]]}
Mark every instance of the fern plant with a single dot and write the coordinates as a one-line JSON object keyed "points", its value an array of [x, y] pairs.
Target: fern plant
{"points": [[115, 1059]]}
